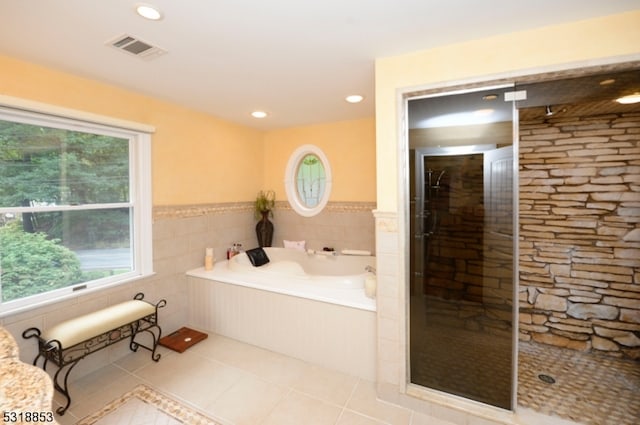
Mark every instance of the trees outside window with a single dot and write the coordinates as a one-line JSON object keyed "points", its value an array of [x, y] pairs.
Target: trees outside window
{"points": [[74, 206]]}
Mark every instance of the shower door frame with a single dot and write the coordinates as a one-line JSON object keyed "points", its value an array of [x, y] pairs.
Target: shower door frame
{"points": [[408, 387]]}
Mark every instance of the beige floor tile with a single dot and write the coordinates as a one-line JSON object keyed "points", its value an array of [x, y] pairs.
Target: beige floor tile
{"points": [[364, 400], [111, 390], [297, 409], [279, 369], [325, 384], [247, 402], [85, 386], [270, 366], [191, 377], [242, 384], [134, 361], [227, 350], [420, 419], [221, 348], [353, 418], [111, 387]]}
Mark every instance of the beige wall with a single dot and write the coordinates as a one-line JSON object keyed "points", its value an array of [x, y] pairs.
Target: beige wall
{"points": [[197, 158], [545, 49], [349, 147]]}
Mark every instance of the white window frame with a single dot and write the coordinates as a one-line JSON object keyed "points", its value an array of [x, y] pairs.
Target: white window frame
{"points": [[291, 185], [139, 136]]}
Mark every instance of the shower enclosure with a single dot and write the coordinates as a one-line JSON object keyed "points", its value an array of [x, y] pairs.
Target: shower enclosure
{"points": [[461, 338]]}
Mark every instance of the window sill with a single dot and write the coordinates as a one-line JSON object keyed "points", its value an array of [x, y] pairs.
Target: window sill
{"points": [[68, 295]]}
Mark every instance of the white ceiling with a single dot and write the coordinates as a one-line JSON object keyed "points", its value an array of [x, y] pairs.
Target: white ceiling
{"points": [[295, 59]]}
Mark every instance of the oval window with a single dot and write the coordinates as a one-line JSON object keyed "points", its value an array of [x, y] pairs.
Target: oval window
{"points": [[308, 180]]}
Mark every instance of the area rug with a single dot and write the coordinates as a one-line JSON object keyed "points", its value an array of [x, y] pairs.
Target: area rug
{"points": [[145, 405]]}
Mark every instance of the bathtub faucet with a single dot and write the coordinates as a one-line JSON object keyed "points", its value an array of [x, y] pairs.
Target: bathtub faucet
{"points": [[370, 269], [323, 253]]}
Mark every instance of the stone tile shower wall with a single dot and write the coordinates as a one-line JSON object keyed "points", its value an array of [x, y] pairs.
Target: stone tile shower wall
{"points": [[468, 281], [453, 226], [580, 233]]}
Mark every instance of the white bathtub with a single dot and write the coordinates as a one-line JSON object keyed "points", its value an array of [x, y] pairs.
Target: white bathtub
{"points": [[336, 279], [297, 305]]}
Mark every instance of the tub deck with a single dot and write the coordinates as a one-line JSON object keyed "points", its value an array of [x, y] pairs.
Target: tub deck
{"points": [[293, 286]]}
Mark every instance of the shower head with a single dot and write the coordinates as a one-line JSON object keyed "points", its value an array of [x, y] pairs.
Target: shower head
{"points": [[548, 111]]}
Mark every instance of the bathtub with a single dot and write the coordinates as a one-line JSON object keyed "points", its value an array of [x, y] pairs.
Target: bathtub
{"points": [[309, 306], [336, 279]]}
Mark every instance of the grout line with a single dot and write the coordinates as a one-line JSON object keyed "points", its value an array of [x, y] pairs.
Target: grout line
{"points": [[353, 391], [284, 396]]}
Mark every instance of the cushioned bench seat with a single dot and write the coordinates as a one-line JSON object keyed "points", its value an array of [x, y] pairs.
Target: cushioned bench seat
{"points": [[66, 343], [83, 328]]}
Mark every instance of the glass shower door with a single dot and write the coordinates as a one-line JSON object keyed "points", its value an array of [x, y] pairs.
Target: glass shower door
{"points": [[462, 255]]}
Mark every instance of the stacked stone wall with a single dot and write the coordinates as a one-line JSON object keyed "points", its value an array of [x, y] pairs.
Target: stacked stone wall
{"points": [[580, 233], [454, 223], [469, 273]]}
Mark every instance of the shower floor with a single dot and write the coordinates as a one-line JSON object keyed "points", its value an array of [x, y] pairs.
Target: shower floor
{"points": [[589, 388]]}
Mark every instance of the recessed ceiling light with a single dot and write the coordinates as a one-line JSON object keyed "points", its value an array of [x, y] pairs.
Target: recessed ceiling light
{"points": [[354, 98], [148, 11], [490, 97], [258, 114], [629, 99], [607, 82]]}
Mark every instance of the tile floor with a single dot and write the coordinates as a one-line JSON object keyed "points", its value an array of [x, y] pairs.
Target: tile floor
{"points": [[237, 383], [590, 388]]}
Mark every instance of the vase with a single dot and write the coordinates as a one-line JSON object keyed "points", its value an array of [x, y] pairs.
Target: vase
{"points": [[264, 230]]}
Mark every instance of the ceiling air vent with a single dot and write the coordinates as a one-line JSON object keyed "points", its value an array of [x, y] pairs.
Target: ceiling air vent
{"points": [[136, 47]]}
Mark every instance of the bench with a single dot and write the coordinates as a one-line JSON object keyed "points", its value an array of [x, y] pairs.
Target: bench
{"points": [[69, 342]]}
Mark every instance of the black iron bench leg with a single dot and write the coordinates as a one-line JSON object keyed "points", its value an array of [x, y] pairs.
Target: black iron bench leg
{"points": [[64, 389], [133, 345]]}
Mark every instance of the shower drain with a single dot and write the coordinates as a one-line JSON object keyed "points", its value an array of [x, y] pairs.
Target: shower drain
{"points": [[546, 379]]}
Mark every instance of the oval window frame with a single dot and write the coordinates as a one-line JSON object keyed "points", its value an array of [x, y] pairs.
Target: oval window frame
{"points": [[290, 180]]}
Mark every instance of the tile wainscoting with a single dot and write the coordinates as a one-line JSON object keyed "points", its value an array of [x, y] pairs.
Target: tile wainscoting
{"points": [[180, 236]]}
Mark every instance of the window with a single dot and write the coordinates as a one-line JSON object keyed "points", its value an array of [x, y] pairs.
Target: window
{"points": [[75, 207], [308, 180]]}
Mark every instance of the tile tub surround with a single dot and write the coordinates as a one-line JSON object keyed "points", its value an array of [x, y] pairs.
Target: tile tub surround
{"points": [[180, 236], [341, 225]]}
